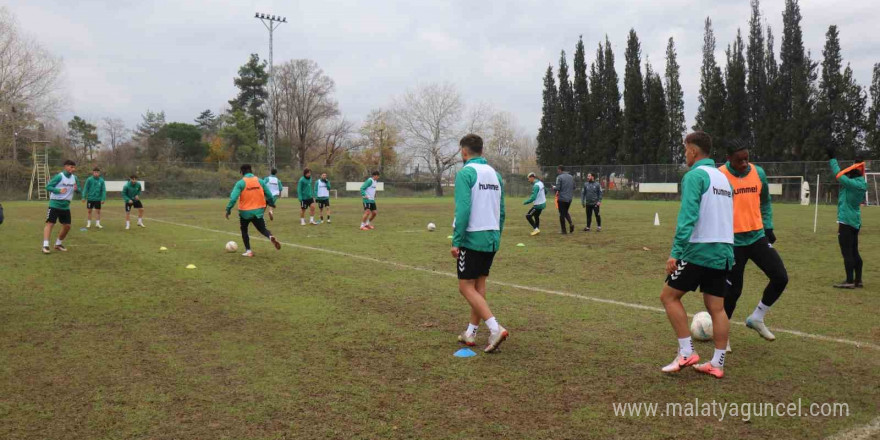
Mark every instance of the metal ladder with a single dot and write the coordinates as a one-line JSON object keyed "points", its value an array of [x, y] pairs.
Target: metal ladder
{"points": [[40, 176]]}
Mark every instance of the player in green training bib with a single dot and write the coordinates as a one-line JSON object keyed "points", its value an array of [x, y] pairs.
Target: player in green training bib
{"points": [[94, 194], [539, 198], [368, 194], [131, 195], [61, 189], [322, 191]]}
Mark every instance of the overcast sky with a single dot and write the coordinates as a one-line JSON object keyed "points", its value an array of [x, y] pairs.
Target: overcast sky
{"points": [[122, 57]]}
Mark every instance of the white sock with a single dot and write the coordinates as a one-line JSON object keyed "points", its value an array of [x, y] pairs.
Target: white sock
{"points": [[57, 242], [140, 221], [760, 311], [127, 223], [98, 222], [302, 221], [493, 325], [88, 223], [472, 329], [45, 243], [685, 346], [718, 358], [312, 219], [363, 224]]}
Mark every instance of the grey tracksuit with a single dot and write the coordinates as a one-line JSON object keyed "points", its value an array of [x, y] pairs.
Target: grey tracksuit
{"points": [[591, 194], [565, 187]]}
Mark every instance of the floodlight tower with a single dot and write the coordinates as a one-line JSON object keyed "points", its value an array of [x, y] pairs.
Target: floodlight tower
{"points": [[271, 22]]}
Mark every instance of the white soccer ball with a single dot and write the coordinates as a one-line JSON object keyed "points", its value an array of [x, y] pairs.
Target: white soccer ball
{"points": [[231, 246], [431, 227], [701, 326]]}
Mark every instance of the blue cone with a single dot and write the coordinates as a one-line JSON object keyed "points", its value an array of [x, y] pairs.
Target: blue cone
{"points": [[464, 353]]}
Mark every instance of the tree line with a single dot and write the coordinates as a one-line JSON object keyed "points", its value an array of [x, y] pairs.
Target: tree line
{"points": [[790, 109]]}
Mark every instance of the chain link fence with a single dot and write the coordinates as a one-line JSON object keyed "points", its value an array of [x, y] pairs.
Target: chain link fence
{"points": [[212, 180]]}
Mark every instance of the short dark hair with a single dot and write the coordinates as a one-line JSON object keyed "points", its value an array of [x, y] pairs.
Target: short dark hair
{"points": [[375, 173], [702, 140], [735, 145], [246, 169], [274, 171], [133, 176], [307, 171], [69, 162], [96, 169], [560, 168], [473, 143]]}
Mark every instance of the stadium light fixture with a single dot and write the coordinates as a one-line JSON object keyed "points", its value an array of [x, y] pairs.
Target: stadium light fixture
{"points": [[271, 22]]}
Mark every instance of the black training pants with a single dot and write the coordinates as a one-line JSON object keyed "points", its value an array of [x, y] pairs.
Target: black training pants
{"points": [[534, 217], [768, 260], [848, 237], [590, 210], [564, 215], [259, 223]]}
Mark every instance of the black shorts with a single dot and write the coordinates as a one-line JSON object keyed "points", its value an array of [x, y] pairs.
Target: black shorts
{"points": [[93, 204], [58, 215], [305, 204], [474, 264], [369, 206], [689, 276], [323, 203], [135, 204]]}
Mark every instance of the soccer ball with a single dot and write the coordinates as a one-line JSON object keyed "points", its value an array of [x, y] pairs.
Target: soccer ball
{"points": [[431, 227], [701, 326], [231, 246]]}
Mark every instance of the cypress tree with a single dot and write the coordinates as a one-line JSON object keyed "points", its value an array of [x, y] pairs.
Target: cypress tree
{"points": [[796, 71], [756, 85], [773, 127], [632, 145], [710, 114], [853, 125], [599, 134], [546, 149], [736, 107], [612, 106], [674, 106], [657, 124], [830, 109], [583, 124], [873, 122], [566, 115]]}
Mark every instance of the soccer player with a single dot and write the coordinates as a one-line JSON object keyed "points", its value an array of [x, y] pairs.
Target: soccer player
{"points": [[306, 195], [849, 218], [61, 189], [274, 183], [540, 202], [591, 199], [131, 194], [323, 197], [702, 254], [252, 196], [476, 237], [753, 236], [368, 194], [94, 194], [564, 194]]}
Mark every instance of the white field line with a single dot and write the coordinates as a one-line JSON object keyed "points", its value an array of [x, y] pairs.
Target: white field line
{"points": [[858, 344], [864, 432]]}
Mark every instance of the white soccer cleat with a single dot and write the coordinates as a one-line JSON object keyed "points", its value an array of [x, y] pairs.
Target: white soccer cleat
{"points": [[142, 225], [127, 227], [468, 339], [88, 226], [759, 327], [248, 254], [328, 221], [495, 339], [46, 250], [313, 222], [99, 226]]}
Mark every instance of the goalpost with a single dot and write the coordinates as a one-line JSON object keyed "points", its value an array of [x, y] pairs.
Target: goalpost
{"points": [[872, 196], [802, 190]]}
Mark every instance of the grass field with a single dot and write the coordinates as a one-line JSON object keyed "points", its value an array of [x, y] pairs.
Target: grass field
{"points": [[350, 334]]}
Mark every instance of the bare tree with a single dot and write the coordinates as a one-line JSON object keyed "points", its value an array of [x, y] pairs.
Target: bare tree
{"points": [[430, 119], [305, 101], [29, 75], [116, 134], [336, 138]]}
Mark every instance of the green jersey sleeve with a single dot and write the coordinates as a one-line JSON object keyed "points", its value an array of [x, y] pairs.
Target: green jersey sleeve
{"points": [[233, 196], [533, 196]]}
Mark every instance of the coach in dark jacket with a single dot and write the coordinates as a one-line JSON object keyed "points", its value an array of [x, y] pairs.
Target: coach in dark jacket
{"points": [[591, 199], [564, 194]]}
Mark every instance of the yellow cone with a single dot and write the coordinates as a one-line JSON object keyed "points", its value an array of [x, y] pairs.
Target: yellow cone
{"points": [[162, 248], [191, 266]]}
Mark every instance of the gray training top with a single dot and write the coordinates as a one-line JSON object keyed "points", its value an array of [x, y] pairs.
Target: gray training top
{"points": [[565, 187], [592, 193]]}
